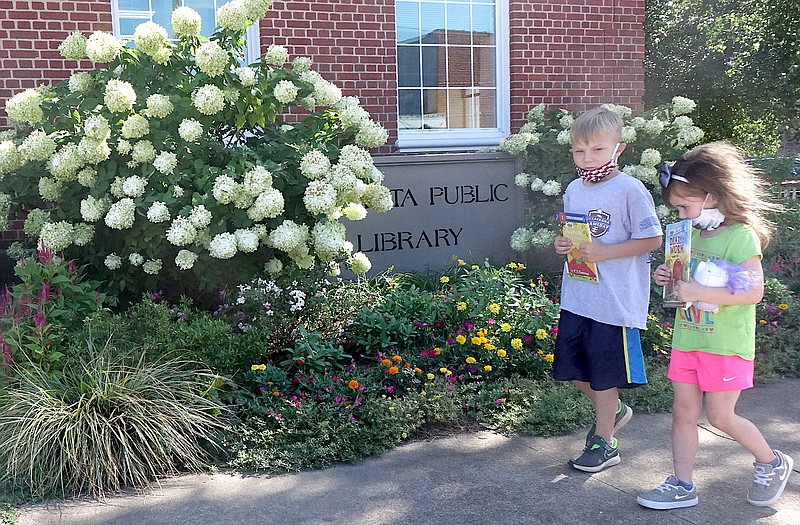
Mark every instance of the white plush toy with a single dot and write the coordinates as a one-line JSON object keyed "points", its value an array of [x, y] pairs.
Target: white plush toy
{"points": [[718, 274]]}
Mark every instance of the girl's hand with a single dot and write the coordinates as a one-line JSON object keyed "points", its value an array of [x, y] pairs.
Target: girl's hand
{"points": [[691, 291], [562, 244], [663, 275]]}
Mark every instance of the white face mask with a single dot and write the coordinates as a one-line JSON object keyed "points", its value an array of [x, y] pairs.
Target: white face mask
{"points": [[709, 218]]}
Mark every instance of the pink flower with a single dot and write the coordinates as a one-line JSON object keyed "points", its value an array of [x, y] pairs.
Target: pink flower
{"points": [[527, 338], [39, 320], [490, 321]]}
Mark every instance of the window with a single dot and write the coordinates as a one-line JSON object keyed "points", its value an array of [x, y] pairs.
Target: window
{"points": [[127, 14], [452, 67]]}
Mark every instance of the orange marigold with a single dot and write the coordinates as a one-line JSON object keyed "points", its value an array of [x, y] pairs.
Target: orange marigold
{"points": [[393, 370], [386, 362], [353, 384]]}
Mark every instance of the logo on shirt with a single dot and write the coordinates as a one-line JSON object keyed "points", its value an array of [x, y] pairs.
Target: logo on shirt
{"points": [[599, 222]]}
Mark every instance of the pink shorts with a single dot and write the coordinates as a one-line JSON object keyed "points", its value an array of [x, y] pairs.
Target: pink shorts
{"points": [[711, 372]]}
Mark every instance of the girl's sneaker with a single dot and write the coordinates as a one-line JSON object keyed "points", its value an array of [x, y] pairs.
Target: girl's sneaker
{"points": [[597, 455], [670, 495], [769, 481]]}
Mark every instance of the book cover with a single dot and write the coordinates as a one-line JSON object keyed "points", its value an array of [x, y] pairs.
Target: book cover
{"points": [[576, 227], [677, 253]]}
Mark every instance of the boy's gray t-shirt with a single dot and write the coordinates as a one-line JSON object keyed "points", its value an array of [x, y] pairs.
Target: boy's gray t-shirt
{"points": [[618, 210]]}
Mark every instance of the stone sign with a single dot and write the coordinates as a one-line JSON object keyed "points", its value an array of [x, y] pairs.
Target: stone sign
{"points": [[462, 205]]}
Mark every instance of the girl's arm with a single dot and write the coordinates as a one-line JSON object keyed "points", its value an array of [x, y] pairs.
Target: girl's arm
{"points": [[693, 291]]}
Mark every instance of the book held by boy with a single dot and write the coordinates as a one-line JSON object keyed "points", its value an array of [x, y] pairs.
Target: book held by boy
{"points": [[576, 227], [677, 253]]}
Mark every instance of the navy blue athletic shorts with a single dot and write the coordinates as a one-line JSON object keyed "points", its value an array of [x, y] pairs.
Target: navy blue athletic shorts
{"points": [[603, 355]]}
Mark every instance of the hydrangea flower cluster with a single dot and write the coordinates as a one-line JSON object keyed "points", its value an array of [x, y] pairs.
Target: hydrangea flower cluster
{"points": [[652, 137], [185, 162]]}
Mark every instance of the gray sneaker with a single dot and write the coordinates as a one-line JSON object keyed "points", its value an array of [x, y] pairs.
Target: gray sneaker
{"points": [[670, 495], [598, 455], [621, 418], [769, 481]]}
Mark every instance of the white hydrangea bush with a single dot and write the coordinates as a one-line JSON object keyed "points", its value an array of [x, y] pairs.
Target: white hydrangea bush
{"points": [[655, 136], [175, 161]]}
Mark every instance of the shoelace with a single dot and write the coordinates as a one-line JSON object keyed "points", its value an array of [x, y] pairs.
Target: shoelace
{"points": [[762, 477], [666, 487]]}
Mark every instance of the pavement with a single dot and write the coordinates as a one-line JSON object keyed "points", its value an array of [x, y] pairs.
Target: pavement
{"points": [[477, 478]]}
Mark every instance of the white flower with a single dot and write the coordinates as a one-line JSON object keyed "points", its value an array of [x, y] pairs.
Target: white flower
{"points": [[288, 236], [79, 82], [65, 163], [56, 236], [50, 189], [113, 261], [354, 211], [143, 152], [35, 220], [521, 239], [650, 157], [276, 55], [10, 157], [190, 130], [319, 197], [150, 38], [371, 135], [246, 75], [135, 126], [116, 187], [134, 186], [96, 128], [360, 263], [120, 215], [211, 58], [328, 239], [522, 179], [92, 209], [233, 16], [536, 114], [246, 240], [83, 234], [158, 212], [566, 121], [622, 111], [93, 151], [638, 123], [328, 94], [152, 267], [200, 217], [358, 160], [165, 162], [517, 144], [87, 177], [543, 238], [662, 211], [352, 116], [37, 146], [135, 259], [102, 47], [564, 137], [628, 134], [225, 189], [177, 192], [73, 47], [378, 198], [537, 184], [185, 259], [273, 267], [654, 127], [186, 22], [683, 121], [208, 99], [25, 107], [181, 232], [689, 135], [551, 188], [222, 246], [158, 106], [314, 164], [119, 96], [285, 91], [267, 205], [682, 105], [124, 147], [257, 181], [301, 64]]}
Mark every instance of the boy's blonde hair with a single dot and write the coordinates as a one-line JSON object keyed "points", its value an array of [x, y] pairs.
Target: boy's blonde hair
{"points": [[720, 169], [598, 121]]}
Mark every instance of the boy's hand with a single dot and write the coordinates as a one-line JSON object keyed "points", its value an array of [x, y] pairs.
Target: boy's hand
{"points": [[562, 244], [663, 275]]}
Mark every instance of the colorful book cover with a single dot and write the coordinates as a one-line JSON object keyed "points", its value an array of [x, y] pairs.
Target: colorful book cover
{"points": [[576, 227], [677, 253]]}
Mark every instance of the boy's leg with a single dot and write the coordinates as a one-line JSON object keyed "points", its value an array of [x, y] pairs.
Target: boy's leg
{"points": [[686, 408]]}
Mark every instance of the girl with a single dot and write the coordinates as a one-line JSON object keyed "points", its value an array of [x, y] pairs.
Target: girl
{"points": [[712, 353]]}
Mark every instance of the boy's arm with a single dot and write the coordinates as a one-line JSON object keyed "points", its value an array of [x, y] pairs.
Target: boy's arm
{"points": [[597, 251]]}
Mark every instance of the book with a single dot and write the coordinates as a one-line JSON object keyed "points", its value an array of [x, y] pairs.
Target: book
{"points": [[677, 253], [576, 227]]}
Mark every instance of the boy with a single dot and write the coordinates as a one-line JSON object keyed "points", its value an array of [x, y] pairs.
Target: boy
{"points": [[598, 346]]}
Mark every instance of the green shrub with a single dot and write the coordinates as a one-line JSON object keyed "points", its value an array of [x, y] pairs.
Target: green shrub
{"points": [[108, 422]]}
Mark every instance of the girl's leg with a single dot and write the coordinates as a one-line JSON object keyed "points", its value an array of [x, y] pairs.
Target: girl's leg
{"points": [[720, 409], [686, 409]]}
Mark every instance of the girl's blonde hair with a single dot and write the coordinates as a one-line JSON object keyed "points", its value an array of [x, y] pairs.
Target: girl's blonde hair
{"points": [[720, 169]]}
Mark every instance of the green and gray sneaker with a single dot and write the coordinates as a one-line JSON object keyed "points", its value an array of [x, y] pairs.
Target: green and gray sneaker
{"points": [[621, 418], [769, 481], [597, 455], [670, 495]]}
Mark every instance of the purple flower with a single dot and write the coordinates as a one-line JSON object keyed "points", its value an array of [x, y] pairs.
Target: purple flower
{"points": [[390, 390]]}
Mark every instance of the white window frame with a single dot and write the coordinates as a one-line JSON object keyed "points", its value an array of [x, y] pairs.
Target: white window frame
{"points": [[412, 140], [252, 37]]}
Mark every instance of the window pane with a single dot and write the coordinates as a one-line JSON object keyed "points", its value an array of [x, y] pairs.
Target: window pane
{"points": [[133, 5], [460, 114], [162, 13], [484, 67], [459, 72], [458, 26], [433, 66], [434, 108], [128, 25], [407, 22], [432, 22], [410, 106], [408, 66], [486, 104], [483, 25], [205, 9]]}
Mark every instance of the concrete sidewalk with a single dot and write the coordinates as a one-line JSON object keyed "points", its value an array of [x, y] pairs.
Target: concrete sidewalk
{"points": [[477, 478]]}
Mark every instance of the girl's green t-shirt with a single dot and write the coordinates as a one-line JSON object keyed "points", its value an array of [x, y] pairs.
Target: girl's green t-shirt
{"points": [[731, 331]]}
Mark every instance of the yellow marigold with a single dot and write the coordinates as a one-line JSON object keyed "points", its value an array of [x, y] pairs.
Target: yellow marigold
{"points": [[783, 306], [516, 343], [481, 332], [762, 322], [548, 358], [520, 266], [353, 384], [505, 327], [386, 362], [494, 308], [393, 370], [437, 351], [489, 346], [461, 306], [487, 368], [396, 358], [443, 370], [444, 279], [430, 376], [258, 367], [512, 265], [461, 262], [501, 353], [460, 339], [475, 267], [477, 340], [484, 340], [541, 333], [470, 360]]}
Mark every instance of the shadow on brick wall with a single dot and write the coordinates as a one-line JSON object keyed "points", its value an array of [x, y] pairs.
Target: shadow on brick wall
{"points": [[6, 267]]}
